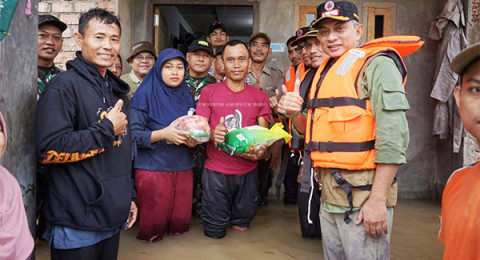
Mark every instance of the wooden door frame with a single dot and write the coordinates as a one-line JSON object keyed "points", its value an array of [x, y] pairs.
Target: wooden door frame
{"points": [[390, 24], [297, 10]]}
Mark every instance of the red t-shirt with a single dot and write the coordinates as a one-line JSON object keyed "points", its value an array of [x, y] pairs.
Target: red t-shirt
{"points": [[460, 224], [217, 101]]}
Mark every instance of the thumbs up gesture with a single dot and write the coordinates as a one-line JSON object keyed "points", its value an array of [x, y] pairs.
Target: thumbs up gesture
{"points": [[118, 118], [290, 102], [220, 131]]}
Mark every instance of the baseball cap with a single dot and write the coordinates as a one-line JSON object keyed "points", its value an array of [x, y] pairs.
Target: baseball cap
{"points": [[50, 19], [465, 58], [301, 33], [291, 39], [215, 25], [142, 46], [201, 44], [260, 35], [342, 11]]}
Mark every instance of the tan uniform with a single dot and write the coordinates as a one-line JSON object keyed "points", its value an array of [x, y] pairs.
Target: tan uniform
{"points": [[133, 81], [270, 79]]}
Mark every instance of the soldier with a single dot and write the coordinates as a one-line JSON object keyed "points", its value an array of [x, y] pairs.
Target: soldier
{"points": [[49, 44]]}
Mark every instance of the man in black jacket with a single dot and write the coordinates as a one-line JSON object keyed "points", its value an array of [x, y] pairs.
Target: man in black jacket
{"points": [[83, 138]]}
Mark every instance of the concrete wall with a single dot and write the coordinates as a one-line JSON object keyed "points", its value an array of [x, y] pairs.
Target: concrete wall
{"points": [[18, 59], [277, 18], [124, 10]]}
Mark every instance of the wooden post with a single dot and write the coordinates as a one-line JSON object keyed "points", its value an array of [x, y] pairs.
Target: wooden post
{"points": [[18, 63]]}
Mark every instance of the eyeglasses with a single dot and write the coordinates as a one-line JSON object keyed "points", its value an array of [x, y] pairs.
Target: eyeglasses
{"points": [[141, 58], [300, 49]]}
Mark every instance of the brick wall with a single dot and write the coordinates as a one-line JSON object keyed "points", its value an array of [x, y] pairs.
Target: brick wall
{"points": [[69, 11]]}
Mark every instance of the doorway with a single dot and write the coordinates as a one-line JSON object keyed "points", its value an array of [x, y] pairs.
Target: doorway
{"points": [[175, 26]]}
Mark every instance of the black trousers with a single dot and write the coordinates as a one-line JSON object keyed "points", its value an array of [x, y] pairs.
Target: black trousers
{"points": [[227, 199], [309, 230], [264, 175], [104, 250], [290, 182]]}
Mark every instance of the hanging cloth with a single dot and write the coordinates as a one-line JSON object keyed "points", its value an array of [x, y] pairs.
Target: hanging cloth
{"points": [[449, 28], [7, 8]]}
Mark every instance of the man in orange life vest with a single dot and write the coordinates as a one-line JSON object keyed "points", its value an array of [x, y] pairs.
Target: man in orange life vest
{"points": [[290, 195], [299, 47], [295, 58], [356, 135], [460, 225], [308, 203]]}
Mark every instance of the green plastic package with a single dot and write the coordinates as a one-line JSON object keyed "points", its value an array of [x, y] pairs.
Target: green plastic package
{"points": [[247, 139]]}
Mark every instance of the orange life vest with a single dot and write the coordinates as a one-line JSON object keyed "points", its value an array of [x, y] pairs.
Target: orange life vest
{"points": [[340, 129], [289, 78], [290, 122], [301, 70]]}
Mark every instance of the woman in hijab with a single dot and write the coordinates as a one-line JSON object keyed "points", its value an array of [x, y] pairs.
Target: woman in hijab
{"points": [[163, 163], [16, 242]]}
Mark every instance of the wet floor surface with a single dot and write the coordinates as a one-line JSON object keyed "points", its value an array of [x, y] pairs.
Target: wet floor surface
{"points": [[275, 234]]}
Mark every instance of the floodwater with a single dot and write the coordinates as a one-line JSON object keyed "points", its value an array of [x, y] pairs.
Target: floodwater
{"points": [[275, 234]]}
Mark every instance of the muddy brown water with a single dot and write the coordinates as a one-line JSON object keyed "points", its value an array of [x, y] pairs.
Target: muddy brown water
{"points": [[275, 234]]}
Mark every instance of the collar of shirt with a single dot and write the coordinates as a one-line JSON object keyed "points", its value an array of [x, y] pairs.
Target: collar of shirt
{"points": [[134, 78], [265, 70]]}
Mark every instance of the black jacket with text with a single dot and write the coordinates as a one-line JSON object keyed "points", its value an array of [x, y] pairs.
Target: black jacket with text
{"points": [[89, 169]]}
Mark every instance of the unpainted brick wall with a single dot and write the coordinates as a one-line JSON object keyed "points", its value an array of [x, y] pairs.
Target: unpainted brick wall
{"points": [[68, 11]]}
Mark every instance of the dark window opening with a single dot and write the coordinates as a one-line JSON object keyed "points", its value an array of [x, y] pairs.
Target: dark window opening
{"points": [[379, 20], [183, 23]]}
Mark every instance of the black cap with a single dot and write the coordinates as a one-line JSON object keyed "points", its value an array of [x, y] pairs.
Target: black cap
{"points": [[342, 11], [219, 50], [50, 19], [291, 39], [201, 44], [300, 34], [215, 25]]}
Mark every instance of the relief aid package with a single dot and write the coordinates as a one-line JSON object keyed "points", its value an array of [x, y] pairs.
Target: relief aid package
{"points": [[247, 139], [196, 126]]}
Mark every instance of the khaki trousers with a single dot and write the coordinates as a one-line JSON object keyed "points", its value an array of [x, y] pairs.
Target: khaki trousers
{"points": [[341, 241]]}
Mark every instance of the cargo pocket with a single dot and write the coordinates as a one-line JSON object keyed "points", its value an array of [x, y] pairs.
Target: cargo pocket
{"points": [[394, 98]]}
